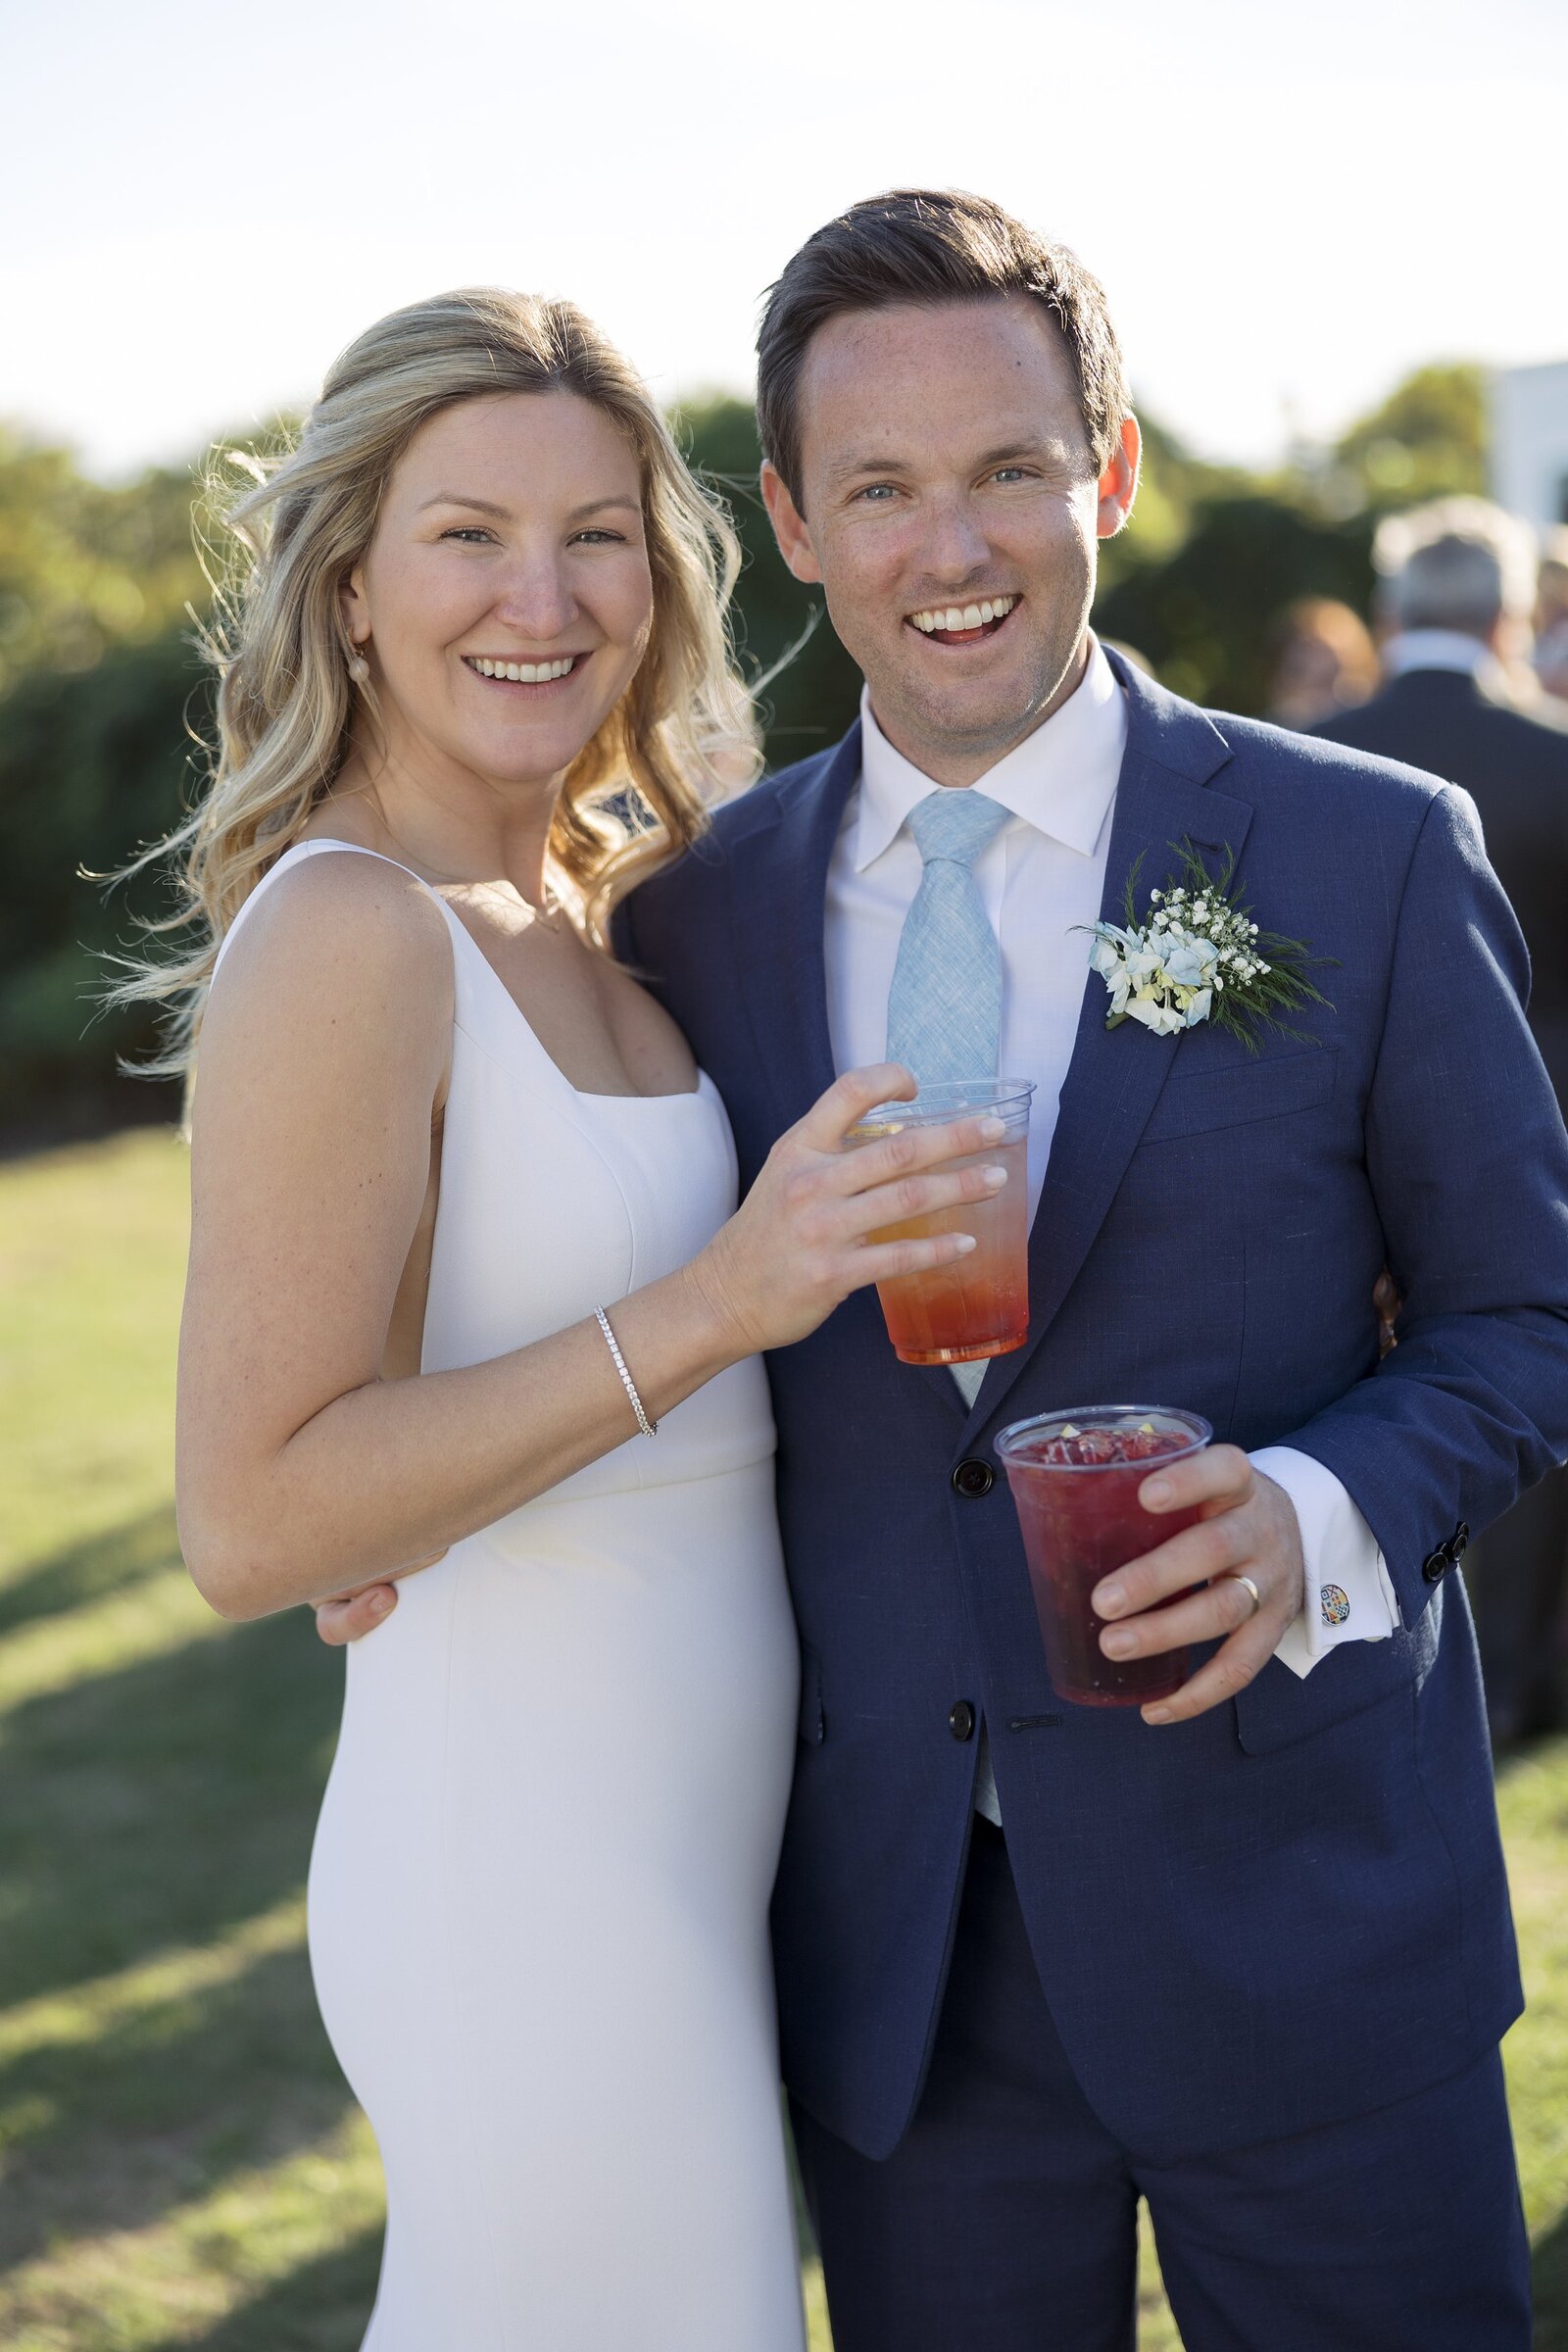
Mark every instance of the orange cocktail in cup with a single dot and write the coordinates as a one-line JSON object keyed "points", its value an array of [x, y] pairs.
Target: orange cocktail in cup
{"points": [[1075, 1477], [979, 1305]]}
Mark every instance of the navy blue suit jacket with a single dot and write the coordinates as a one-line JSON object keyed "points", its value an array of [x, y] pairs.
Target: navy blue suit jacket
{"points": [[1292, 1909]]}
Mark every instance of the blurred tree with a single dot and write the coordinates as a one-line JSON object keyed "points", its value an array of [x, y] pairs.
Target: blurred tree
{"points": [[1172, 486], [83, 567], [92, 766], [1427, 440], [1204, 616], [100, 690], [1198, 584]]}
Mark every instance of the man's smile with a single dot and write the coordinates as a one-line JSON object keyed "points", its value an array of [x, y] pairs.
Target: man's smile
{"points": [[962, 624]]}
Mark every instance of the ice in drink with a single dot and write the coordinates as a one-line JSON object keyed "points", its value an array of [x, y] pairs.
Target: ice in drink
{"points": [[978, 1305], [1075, 1477]]}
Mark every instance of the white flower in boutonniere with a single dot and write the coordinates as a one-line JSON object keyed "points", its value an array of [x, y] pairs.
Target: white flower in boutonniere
{"points": [[1198, 955]]}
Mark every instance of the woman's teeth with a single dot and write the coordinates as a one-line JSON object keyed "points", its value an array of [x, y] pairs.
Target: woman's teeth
{"points": [[966, 616], [523, 674]]}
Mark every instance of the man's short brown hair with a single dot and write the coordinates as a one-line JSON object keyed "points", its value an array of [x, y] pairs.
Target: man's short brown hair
{"points": [[930, 245]]}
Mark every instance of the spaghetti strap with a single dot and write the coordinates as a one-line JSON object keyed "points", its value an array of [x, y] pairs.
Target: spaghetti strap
{"points": [[357, 849]]}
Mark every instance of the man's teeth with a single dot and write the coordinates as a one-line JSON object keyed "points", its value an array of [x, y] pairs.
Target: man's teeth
{"points": [[966, 616], [523, 674]]}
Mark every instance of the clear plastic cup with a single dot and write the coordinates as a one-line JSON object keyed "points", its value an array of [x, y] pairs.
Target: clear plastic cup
{"points": [[978, 1305], [1081, 1518]]}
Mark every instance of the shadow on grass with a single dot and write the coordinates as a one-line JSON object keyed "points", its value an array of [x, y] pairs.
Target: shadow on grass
{"points": [[147, 1810], [321, 2307], [158, 2109], [90, 1570], [155, 1806]]}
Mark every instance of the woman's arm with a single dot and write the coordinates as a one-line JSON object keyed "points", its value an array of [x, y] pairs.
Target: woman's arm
{"points": [[323, 1057]]}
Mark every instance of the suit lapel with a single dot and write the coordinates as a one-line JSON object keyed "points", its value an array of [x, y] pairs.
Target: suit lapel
{"points": [[778, 880], [1114, 1077]]}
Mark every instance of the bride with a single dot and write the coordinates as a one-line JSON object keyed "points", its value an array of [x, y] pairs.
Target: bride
{"points": [[469, 1293]]}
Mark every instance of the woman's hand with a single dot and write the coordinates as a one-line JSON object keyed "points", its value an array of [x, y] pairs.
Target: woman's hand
{"points": [[798, 1244]]}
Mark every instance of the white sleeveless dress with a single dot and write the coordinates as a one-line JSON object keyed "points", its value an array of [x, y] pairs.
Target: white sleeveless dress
{"points": [[538, 1895]]}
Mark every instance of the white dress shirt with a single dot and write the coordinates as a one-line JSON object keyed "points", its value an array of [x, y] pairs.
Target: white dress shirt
{"points": [[1042, 878], [1441, 649]]}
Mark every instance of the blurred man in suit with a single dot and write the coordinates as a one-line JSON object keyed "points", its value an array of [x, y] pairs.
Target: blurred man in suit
{"points": [[1457, 588]]}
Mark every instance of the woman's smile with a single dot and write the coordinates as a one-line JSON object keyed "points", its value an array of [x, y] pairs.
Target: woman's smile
{"points": [[527, 678]]}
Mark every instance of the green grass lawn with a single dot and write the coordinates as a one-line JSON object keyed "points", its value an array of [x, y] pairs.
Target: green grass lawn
{"points": [[180, 2161]]}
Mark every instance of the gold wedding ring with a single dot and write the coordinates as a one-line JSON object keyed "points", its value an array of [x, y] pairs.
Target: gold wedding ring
{"points": [[1233, 1577]]}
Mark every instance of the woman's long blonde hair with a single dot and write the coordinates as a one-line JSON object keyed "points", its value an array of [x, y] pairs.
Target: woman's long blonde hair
{"points": [[682, 733]]}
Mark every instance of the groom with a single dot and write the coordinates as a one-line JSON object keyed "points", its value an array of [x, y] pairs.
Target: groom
{"points": [[1246, 1954]]}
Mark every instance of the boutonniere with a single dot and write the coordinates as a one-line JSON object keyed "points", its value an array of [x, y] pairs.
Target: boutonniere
{"points": [[1198, 955]]}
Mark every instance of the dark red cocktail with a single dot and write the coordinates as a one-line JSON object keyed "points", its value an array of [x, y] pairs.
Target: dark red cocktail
{"points": [[1075, 1477]]}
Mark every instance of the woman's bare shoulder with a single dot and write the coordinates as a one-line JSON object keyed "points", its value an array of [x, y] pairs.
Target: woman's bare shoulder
{"points": [[341, 916], [342, 940]]}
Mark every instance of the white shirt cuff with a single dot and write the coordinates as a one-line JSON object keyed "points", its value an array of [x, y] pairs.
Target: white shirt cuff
{"points": [[1349, 1595]]}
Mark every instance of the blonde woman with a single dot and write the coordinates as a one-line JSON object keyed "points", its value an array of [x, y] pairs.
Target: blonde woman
{"points": [[436, 1134]]}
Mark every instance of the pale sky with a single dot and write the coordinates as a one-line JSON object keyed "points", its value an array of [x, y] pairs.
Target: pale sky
{"points": [[1290, 206]]}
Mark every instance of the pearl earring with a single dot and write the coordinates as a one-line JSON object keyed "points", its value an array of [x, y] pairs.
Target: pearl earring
{"points": [[359, 667]]}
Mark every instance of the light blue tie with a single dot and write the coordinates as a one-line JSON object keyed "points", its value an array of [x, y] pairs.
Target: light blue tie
{"points": [[944, 1006]]}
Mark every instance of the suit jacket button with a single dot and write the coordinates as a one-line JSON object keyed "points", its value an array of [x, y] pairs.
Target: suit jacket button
{"points": [[1435, 1567], [973, 1478], [961, 1719], [1459, 1543]]}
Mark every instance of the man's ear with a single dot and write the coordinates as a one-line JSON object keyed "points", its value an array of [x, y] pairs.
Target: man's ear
{"points": [[1117, 486], [789, 525]]}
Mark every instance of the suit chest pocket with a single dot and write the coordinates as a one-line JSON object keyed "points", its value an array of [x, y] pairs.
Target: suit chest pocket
{"points": [[1205, 1102]]}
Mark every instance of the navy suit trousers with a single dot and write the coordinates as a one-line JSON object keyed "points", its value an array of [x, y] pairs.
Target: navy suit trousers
{"points": [[1006, 2220]]}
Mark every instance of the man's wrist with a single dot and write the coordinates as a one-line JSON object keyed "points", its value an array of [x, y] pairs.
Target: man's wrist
{"points": [[1347, 1595]]}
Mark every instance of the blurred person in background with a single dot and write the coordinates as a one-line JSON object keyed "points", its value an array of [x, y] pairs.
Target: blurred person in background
{"points": [[1551, 656], [1455, 598], [1324, 662], [1457, 590]]}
